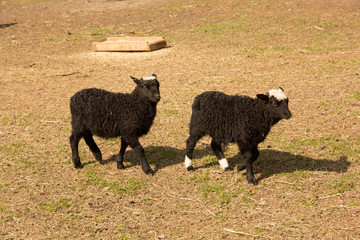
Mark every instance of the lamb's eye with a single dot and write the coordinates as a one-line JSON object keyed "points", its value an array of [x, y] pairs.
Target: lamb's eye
{"points": [[275, 104], [144, 87]]}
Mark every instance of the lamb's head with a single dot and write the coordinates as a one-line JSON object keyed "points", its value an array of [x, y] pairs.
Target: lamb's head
{"points": [[277, 102], [148, 88]]}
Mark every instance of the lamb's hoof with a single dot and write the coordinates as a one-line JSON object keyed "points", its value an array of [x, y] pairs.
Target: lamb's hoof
{"points": [[252, 180], [98, 157], [227, 169], [149, 171], [78, 166], [190, 168], [120, 165], [241, 167]]}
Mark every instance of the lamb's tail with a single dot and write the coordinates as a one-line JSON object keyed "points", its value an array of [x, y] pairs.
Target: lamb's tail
{"points": [[196, 105]]}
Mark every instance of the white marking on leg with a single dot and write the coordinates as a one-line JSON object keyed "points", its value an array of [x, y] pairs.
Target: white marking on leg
{"points": [[188, 162], [224, 163]]}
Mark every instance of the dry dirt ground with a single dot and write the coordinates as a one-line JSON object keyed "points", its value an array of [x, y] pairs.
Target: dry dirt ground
{"points": [[308, 169]]}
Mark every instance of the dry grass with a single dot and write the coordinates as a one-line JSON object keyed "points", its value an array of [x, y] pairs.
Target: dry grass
{"points": [[308, 168]]}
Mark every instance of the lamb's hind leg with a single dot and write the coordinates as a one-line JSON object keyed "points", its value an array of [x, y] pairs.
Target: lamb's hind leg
{"points": [[74, 143], [120, 156], [93, 147], [216, 147], [190, 145]]}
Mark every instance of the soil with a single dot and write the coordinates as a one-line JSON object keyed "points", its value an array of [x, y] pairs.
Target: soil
{"points": [[308, 169]]}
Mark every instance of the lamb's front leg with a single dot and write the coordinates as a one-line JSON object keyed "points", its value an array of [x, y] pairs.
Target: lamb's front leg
{"points": [[135, 144], [120, 157], [250, 155]]}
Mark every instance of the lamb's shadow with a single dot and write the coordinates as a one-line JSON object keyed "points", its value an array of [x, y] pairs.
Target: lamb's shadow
{"points": [[270, 162], [158, 156], [6, 25]]}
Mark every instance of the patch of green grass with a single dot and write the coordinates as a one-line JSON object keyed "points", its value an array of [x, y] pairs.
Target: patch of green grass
{"points": [[341, 186], [283, 48], [218, 29], [91, 34], [93, 177], [54, 206], [23, 120], [265, 36], [175, 8], [76, 216], [2, 208], [199, 178], [208, 159], [307, 50], [298, 174], [305, 202], [215, 191], [354, 203], [297, 21], [14, 151], [7, 45], [48, 119], [129, 186], [170, 112], [115, 140], [160, 155], [330, 25], [328, 146], [62, 149], [356, 96], [99, 33]]}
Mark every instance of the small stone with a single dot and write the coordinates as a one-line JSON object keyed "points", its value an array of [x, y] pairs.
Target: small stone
{"points": [[262, 202]]}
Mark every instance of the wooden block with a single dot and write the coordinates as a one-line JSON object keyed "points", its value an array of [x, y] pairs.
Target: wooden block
{"points": [[129, 44]]}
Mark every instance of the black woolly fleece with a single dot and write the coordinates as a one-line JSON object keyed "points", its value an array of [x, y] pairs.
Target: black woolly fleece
{"points": [[228, 118], [108, 114]]}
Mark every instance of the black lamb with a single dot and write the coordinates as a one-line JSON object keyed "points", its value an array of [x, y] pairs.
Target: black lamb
{"points": [[107, 115], [240, 119]]}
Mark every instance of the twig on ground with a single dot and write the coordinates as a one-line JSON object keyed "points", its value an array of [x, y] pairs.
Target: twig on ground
{"points": [[242, 233], [289, 183], [198, 200], [188, 199], [334, 195], [66, 74], [285, 182]]}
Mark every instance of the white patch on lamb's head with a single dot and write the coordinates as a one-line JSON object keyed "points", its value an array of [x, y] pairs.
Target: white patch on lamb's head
{"points": [[278, 94], [149, 78]]}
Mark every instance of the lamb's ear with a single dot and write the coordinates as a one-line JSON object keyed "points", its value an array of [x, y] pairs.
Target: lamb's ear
{"points": [[281, 89], [154, 75], [137, 81], [263, 97]]}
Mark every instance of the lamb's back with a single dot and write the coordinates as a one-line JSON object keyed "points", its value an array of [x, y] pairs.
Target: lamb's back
{"points": [[229, 117], [107, 114]]}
